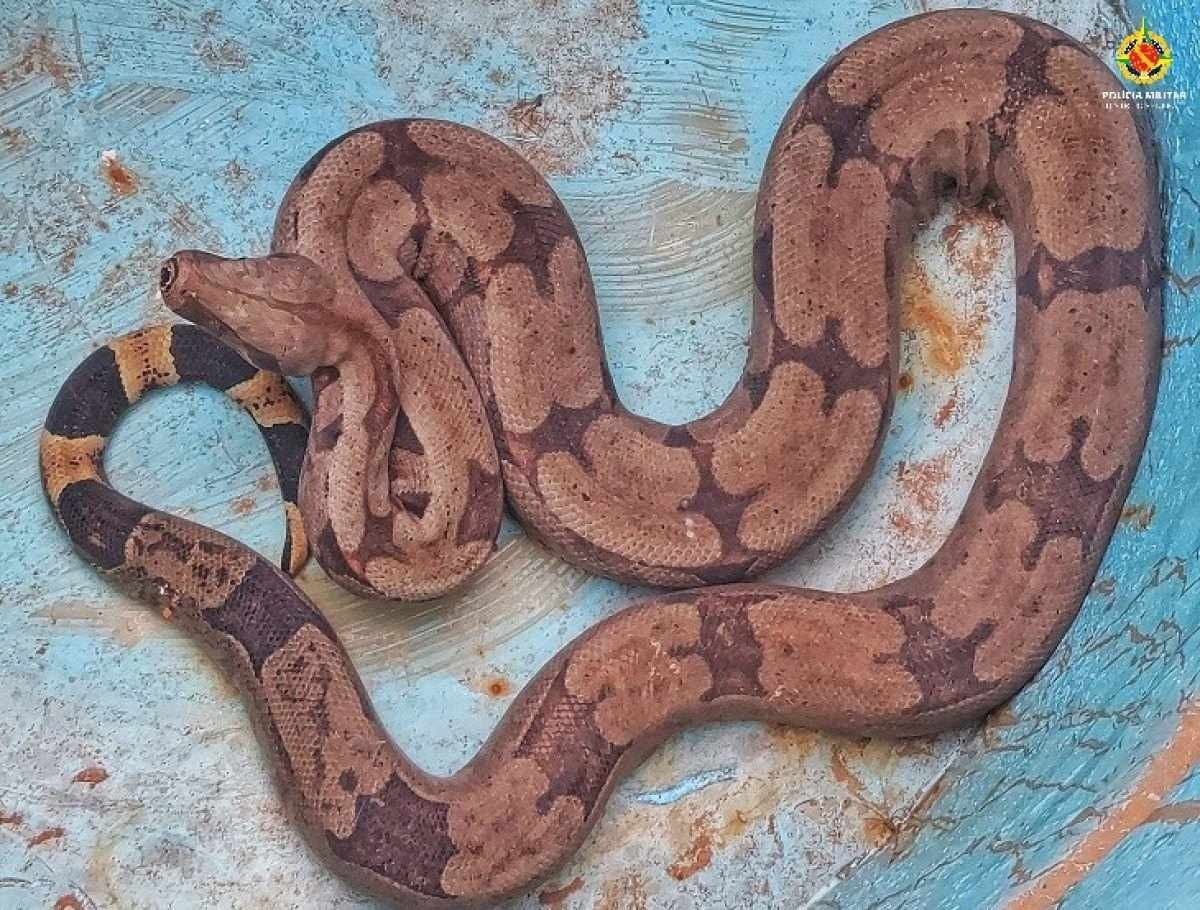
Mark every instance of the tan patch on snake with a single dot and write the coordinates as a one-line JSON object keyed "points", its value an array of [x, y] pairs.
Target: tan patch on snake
{"points": [[1074, 209], [502, 838], [530, 332], [965, 599], [336, 753], [898, 59], [306, 211], [199, 566], [298, 537], [645, 530], [469, 208], [144, 360], [266, 396], [812, 229], [1096, 344], [632, 500], [1048, 596], [67, 461], [904, 121], [381, 217], [631, 673], [816, 655], [793, 470], [466, 149]]}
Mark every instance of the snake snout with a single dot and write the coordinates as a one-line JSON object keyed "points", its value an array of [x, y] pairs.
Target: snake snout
{"points": [[167, 274]]}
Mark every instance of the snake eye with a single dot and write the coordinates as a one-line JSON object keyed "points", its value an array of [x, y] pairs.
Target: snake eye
{"points": [[168, 273]]}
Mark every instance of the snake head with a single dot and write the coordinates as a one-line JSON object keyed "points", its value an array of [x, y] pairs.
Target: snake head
{"points": [[277, 311]]}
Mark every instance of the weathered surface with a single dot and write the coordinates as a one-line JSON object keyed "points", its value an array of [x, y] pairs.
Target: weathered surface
{"points": [[729, 813]]}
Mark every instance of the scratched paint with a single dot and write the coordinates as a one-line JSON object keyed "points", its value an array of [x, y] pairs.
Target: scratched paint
{"points": [[129, 776]]}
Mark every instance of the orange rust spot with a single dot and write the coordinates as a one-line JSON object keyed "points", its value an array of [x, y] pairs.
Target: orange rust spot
{"points": [[624, 893], [905, 382], [923, 481], [798, 741], [267, 482], [697, 857], [1138, 515], [39, 56], [554, 897], [842, 773], [946, 340], [91, 776], [11, 818], [242, 506], [880, 831], [493, 685], [1170, 765], [67, 902], [973, 242], [123, 181], [946, 411], [45, 835]]}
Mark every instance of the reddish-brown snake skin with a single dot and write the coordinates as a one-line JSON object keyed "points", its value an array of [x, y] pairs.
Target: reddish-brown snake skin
{"points": [[433, 286]]}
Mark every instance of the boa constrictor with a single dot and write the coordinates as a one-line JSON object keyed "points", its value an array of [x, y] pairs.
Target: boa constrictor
{"points": [[402, 234]]}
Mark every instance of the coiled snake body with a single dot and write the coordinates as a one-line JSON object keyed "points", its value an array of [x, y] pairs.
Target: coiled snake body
{"points": [[402, 233]]}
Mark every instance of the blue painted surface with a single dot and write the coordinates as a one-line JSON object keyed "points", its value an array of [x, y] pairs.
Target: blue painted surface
{"points": [[654, 121]]}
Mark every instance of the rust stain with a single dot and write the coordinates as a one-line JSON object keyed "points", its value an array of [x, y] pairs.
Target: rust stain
{"points": [[39, 57], [242, 506], [494, 685], [905, 382], [123, 181], [45, 835], [624, 893], [697, 856], [1169, 766], [880, 831], [699, 839], [13, 138], [946, 341], [554, 897], [924, 481], [267, 482], [973, 242], [67, 902], [946, 411], [91, 776], [922, 487], [798, 742], [11, 818], [1138, 514]]}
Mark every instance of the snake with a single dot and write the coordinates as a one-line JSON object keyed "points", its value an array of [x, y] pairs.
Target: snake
{"points": [[432, 285]]}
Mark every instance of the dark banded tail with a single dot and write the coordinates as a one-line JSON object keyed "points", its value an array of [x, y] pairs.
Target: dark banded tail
{"points": [[112, 379]]}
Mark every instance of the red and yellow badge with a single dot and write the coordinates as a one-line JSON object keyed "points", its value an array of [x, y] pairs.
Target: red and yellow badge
{"points": [[1144, 56]]}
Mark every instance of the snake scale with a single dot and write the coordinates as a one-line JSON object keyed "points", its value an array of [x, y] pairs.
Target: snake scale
{"points": [[431, 283]]}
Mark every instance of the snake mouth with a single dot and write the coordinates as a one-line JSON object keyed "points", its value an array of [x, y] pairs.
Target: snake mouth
{"points": [[167, 274]]}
